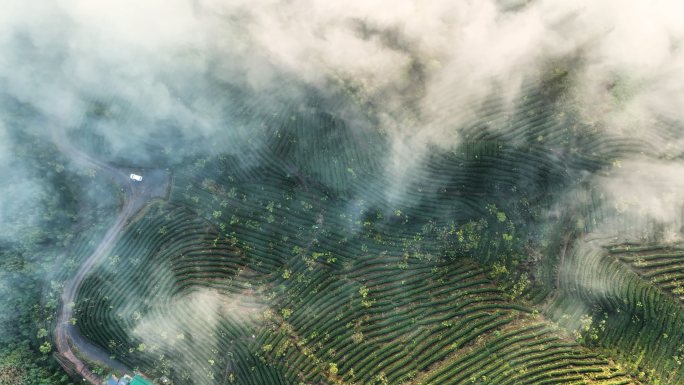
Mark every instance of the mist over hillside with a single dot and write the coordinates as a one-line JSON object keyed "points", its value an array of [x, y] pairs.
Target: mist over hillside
{"points": [[326, 142]]}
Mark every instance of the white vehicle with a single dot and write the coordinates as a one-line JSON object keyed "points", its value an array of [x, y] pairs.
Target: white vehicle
{"points": [[136, 177]]}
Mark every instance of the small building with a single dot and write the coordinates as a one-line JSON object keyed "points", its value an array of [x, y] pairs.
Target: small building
{"points": [[138, 380]]}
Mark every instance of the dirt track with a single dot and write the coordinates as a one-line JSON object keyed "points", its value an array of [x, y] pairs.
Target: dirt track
{"points": [[69, 294], [65, 330]]}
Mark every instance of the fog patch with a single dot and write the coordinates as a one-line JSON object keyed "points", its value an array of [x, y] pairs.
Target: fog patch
{"points": [[198, 340], [648, 195]]}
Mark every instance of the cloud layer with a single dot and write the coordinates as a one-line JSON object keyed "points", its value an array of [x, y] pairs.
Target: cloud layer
{"points": [[410, 69]]}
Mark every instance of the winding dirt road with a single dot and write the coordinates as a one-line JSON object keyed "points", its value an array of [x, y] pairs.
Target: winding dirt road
{"points": [[65, 330]]}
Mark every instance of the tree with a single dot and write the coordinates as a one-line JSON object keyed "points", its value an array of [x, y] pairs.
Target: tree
{"points": [[45, 348]]}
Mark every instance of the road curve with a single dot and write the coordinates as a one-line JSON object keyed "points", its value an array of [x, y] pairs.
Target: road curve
{"points": [[63, 331]]}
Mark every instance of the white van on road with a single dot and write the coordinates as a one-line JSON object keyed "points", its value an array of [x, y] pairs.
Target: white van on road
{"points": [[136, 177]]}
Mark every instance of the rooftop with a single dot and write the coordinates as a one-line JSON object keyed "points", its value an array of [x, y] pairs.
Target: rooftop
{"points": [[137, 380]]}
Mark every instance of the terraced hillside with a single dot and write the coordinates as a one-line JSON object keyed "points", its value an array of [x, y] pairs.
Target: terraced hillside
{"points": [[294, 248], [161, 279], [296, 254], [186, 301], [623, 298], [660, 264]]}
